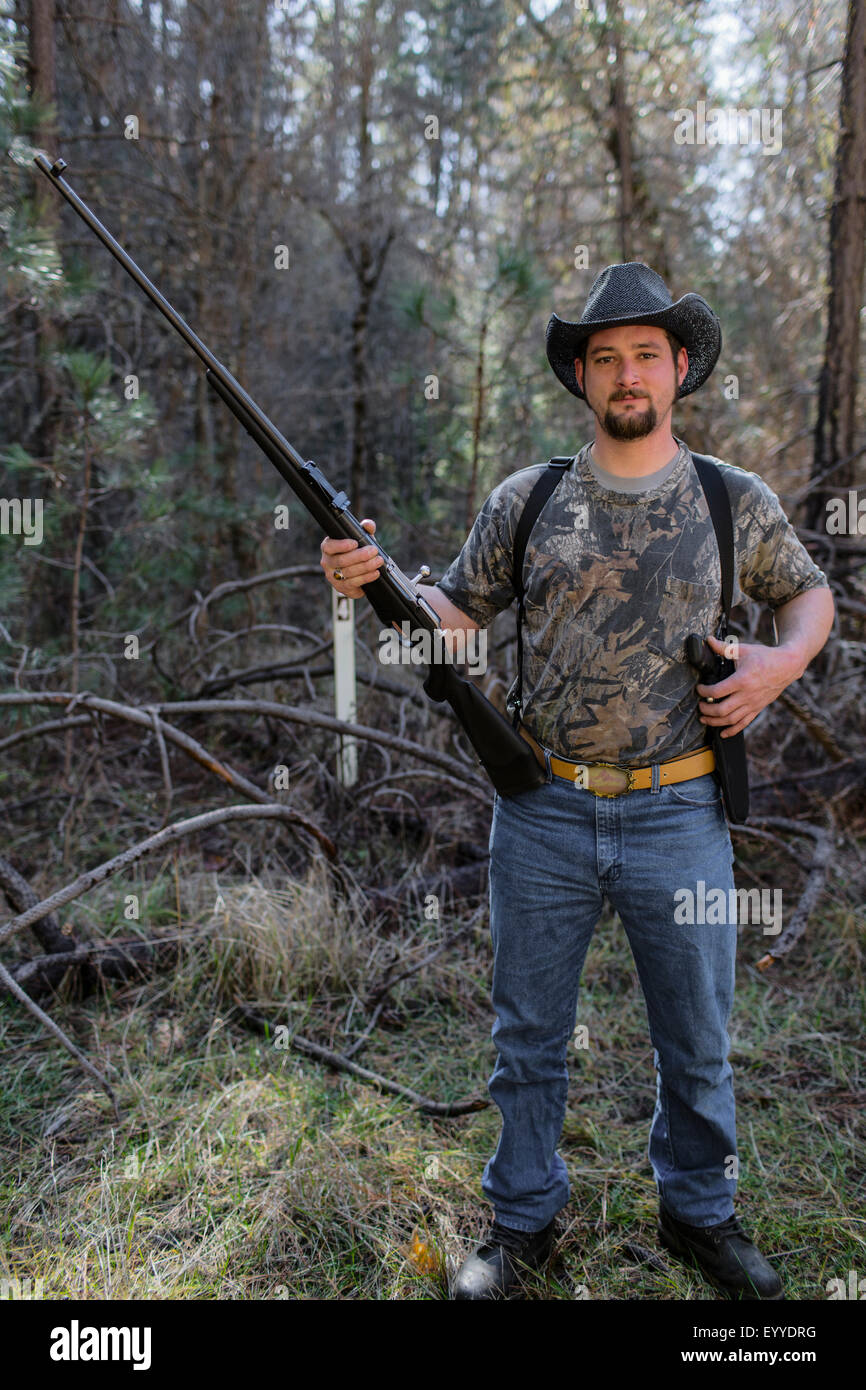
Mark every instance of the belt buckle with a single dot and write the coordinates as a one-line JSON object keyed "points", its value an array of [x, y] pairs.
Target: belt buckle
{"points": [[582, 779]]}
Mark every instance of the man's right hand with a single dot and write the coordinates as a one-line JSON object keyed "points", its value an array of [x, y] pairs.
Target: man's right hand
{"points": [[364, 564]]}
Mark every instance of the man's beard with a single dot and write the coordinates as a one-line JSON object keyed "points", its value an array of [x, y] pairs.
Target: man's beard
{"points": [[632, 425]]}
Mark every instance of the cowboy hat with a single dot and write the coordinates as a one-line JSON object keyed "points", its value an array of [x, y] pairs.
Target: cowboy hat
{"points": [[633, 293]]}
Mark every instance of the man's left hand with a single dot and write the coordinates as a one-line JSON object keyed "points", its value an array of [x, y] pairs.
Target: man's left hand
{"points": [[762, 674]]}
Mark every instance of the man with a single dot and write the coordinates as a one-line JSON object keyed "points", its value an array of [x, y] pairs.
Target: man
{"points": [[622, 564]]}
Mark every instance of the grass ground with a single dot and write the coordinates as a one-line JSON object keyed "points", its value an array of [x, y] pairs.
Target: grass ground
{"points": [[242, 1170]]}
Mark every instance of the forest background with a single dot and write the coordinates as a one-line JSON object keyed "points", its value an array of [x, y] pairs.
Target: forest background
{"points": [[368, 210]]}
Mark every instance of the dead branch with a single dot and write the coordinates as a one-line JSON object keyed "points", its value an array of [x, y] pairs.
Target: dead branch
{"points": [[341, 1063], [168, 835], [14, 988], [250, 675], [313, 719], [856, 765], [376, 682], [190, 746], [368, 787], [49, 727], [815, 723], [47, 930], [163, 762], [64, 825], [834, 782], [256, 628], [378, 997], [753, 830], [816, 874], [93, 961], [198, 613], [291, 713]]}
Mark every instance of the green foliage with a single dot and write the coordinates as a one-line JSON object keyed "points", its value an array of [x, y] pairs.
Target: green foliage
{"points": [[31, 256], [88, 374], [422, 306], [28, 252], [519, 269], [16, 462]]}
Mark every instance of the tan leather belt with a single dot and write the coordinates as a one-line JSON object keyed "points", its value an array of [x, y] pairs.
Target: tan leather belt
{"points": [[609, 779]]}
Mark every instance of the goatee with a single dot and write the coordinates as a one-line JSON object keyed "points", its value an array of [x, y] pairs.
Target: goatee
{"points": [[632, 425]]}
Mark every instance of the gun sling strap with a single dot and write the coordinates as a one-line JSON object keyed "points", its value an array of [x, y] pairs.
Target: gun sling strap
{"points": [[732, 751]]}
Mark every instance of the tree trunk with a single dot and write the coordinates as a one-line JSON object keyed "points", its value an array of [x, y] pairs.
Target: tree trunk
{"points": [[835, 428], [42, 432], [477, 424], [359, 395], [622, 126], [75, 602], [43, 87], [363, 270]]}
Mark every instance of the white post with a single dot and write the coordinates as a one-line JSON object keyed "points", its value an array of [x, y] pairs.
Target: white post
{"points": [[345, 690]]}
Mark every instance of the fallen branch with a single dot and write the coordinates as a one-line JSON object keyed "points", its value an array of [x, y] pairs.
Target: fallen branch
{"points": [[251, 675], [791, 850], [194, 615], [103, 960], [291, 713], [313, 719], [49, 727], [856, 766], [369, 787], [163, 763], [91, 877], [379, 996], [285, 630], [816, 874], [341, 1063], [148, 718], [816, 724], [14, 988], [376, 682], [47, 930], [198, 613]]}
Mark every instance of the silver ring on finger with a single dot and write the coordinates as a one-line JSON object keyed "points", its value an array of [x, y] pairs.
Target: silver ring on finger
{"points": [[338, 574]]}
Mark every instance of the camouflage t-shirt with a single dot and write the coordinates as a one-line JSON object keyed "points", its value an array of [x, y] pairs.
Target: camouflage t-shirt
{"points": [[615, 581]]}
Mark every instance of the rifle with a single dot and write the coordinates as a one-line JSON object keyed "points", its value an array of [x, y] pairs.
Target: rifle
{"points": [[506, 758]]}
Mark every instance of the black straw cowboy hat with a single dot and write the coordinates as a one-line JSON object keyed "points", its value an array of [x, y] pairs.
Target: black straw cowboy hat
{"points": [[633, 293]]}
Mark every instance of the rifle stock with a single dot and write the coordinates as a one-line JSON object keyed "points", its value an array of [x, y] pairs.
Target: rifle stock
{"points": [[505, 756]]}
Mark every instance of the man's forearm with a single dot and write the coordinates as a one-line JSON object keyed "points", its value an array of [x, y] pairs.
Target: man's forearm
{"points": [[452, 617], [803, 625]]}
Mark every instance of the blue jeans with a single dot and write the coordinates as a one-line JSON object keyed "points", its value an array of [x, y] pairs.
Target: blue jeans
{"points": [[555, 854]]}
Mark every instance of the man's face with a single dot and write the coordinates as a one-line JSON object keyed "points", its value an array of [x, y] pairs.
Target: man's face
{"points": [[630, 379]]}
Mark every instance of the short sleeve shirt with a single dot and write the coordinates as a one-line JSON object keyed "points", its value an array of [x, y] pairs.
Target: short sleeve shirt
{"points": [[615, 582]]}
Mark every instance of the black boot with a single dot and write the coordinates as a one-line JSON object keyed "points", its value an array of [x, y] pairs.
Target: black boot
{"points": [[494, 1270], [724, 1254]]}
